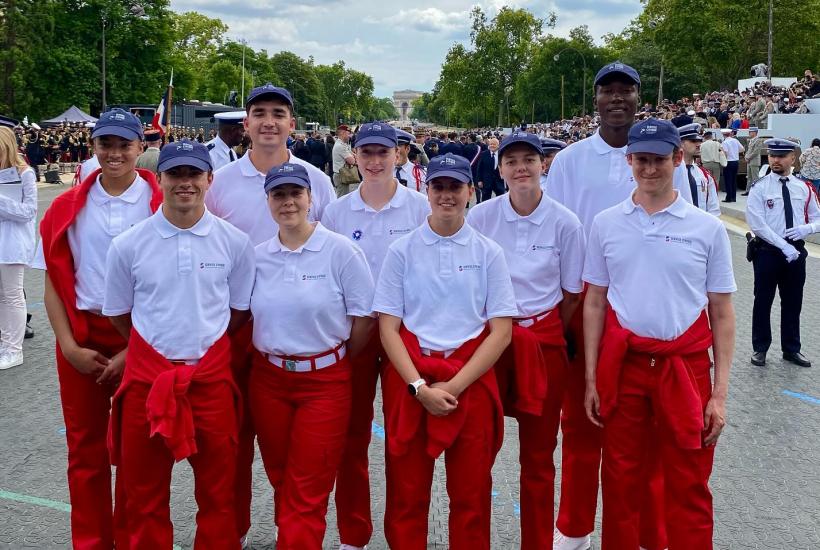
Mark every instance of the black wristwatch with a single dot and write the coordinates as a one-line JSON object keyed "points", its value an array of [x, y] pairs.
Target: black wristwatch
{"points": [[414, 387]]}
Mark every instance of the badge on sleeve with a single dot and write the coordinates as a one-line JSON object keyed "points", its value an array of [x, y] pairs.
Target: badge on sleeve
{"points": [[770, 203]]}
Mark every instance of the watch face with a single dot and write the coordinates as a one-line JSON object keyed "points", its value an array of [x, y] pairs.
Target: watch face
{"points": [[412, 389]]}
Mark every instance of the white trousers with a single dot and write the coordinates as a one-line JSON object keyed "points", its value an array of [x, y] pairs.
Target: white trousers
{"points": [[12, 308]]}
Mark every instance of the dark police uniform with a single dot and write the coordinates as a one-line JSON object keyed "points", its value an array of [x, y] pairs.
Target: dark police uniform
{"points": [[781, 210]]}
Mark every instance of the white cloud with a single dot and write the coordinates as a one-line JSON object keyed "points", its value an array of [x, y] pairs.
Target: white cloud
{"points": [[430, 20]]}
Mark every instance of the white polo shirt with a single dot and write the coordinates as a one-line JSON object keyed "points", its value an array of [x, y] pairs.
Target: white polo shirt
{"points": [[375, 230], [101, 219], [88, 167], [590, 176], [658, 268], [237, 195], [708, 199], [304, 300], [544, 251], [445, 289], [178, 284]]}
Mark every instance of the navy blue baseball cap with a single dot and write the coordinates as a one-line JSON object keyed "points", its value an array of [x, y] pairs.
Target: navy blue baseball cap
{"points": [[404, 138], [8, 122], [449, 166], [184, 153], [690, 132], [618, 69], [288, 172], [520, 137], [118, 122], [376, 133], [549, 145], [655, 136], [268, 91], [779, 147]]}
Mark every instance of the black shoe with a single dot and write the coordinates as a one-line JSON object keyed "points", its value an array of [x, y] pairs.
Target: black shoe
{"points": [[29, 331], [759, 358], [745, 194], [797, 358]]}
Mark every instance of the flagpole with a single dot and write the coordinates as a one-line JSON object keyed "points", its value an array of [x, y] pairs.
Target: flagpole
{"points": [[170, 101]]}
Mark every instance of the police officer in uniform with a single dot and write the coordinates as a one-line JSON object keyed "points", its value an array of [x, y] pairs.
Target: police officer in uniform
{"points": [[550, 147], [229, 136], [781, 210], [701, 183], [407, 173]]}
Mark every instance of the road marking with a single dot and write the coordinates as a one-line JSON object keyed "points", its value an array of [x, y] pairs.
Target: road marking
{"points": [[34, 305], [44, 502], [803, 396]]}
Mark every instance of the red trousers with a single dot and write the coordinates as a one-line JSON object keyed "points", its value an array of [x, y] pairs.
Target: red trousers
{"points": [[86, 406], [581, 443], [352, 496], [241, 355], [632, 435], [537, 435], [146, 464], [301, 421], [468, 463]]}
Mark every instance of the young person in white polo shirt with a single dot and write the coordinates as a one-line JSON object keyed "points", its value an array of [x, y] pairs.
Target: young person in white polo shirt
{"points": [[238, 196], [659, 273], [587, 177], [445, 300], [311, 308], [76, 232], [376, 214], [176, 285], [543, 244]]}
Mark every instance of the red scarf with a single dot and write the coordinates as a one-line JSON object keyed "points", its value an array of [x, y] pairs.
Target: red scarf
{"points": [[404, 413], [167, 406], [54, 233], [678, 395], [528, 362]]}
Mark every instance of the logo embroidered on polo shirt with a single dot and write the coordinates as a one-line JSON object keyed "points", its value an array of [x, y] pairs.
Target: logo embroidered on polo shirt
{"points": [[469, 267], [678, 240], [357, 235], [399, 231], [542, 247], [317, 277], [211, 265]]}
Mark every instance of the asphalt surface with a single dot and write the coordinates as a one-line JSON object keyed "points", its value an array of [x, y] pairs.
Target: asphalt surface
{"points": [[766, 478]]}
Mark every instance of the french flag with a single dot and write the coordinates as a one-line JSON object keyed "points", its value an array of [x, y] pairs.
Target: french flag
{"points": [[161, 118]]}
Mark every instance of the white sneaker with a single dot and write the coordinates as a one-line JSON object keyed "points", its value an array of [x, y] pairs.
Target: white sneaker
{"points": [[562, 542], [349, 547], [9, 359]]}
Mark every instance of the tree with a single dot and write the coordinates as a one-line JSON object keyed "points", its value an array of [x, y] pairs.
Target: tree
{"points": [[299, 77], [345, 92]]}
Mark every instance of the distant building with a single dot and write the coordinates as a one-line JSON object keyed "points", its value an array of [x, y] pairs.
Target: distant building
{"points": [[403, 101]]}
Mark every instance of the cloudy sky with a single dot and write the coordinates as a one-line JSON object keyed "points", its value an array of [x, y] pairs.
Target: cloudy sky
{"points": [[400, 48]]}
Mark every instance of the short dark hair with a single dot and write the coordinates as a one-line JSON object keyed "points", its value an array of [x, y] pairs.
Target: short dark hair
{"points": [[815, 142]]}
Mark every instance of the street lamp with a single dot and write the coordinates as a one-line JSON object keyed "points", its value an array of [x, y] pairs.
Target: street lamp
{"points": [[584, 60], [653, 24], [136, 10], [244, 45]]}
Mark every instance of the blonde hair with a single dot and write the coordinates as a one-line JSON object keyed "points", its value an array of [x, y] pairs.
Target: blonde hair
{"points": [[8, 151]]}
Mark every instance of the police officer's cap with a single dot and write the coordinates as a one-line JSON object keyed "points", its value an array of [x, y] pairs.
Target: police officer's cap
{"points": [[520, 137], [291, 173], [690, 132], [376, 133], [779, 147], [617, 71], [268, 91], [8, 122], [654, 136], [449, 166], [118, 122], [549, 145], [753, 128], [404, 138], [230, 118], [184, 153]]}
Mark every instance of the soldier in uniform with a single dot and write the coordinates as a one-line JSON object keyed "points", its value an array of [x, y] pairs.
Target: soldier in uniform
{"points": [[229, 136], [754, 148], [150, 157], [782, 210]]}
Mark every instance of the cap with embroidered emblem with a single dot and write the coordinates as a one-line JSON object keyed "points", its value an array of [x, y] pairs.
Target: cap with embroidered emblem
{"points": [[288, 172], [120, 123], [617, 68], [269, 91], [184, 153], [520, 137], [655, 136], [449, 166], [376, 133]]}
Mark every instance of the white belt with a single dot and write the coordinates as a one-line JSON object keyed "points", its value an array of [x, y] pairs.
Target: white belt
{"points": [[434, 353], [530, 321], [308, 364]]}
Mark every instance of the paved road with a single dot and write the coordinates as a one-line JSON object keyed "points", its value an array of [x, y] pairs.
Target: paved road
{"points": [[766, 479]]}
